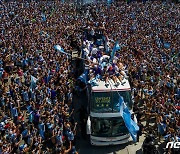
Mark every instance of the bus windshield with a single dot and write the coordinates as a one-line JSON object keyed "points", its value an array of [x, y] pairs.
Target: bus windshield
{"points": [[108, 127], [103, 102]]}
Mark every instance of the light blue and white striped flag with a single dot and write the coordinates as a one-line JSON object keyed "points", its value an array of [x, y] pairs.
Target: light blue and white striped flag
{"points": [[131, 125], [33, 82], [60, 49], [116, 48], [84, 77]]}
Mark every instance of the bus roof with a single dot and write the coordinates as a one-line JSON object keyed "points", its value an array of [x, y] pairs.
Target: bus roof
{"points": [[111, 86]]}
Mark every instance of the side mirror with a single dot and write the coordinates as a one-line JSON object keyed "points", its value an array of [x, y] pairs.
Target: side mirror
{"points": [[88, 126]]}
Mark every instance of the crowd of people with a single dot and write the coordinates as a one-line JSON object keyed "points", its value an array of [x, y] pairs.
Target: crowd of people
{"points": [[148, 35], [36, 81]]}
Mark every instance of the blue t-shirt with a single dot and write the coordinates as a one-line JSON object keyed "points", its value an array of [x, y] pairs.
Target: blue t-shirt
{"points": [[53, 94], [97, 71]]}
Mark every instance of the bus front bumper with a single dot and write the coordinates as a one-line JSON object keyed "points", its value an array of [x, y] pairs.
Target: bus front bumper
{"points": [[104, 141]]}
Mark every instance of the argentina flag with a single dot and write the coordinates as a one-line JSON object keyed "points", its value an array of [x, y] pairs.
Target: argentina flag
{"points": [[84, 77], [131, 125], [94, 81], [33, 82], [60, 49], [116, 48]]}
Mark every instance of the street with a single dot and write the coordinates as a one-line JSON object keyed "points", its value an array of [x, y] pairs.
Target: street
{"points": [[84, 146]]}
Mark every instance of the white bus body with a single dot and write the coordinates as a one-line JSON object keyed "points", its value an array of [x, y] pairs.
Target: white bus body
{"points": [[104, 126]]}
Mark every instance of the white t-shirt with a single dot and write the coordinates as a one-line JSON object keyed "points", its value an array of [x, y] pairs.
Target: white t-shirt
{"points": [[115, 59], [94, 51], [116, 68], [94, 60], [86, 52], [103, 57]]}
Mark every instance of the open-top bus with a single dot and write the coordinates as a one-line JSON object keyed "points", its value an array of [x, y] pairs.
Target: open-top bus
{"points": [[105, 124]]}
